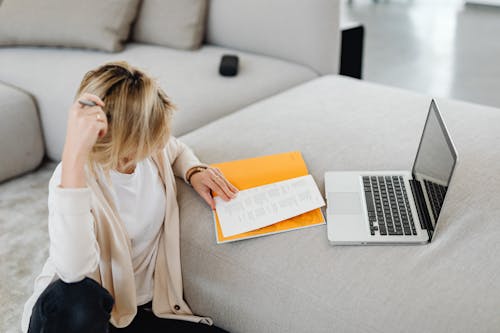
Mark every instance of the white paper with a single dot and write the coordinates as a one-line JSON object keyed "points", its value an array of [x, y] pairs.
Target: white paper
{"points": [[265, 205]]}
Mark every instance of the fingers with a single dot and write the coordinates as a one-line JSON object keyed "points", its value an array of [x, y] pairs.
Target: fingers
{"points": [[84, 109], [208, 198], [212, 179], [96, 114], [222, 185], [216, 188], [81, 108], [231, 186], [231, 190], [102, 129]]}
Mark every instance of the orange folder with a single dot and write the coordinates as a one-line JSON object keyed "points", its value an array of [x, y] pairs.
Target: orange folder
{"points": [[257, 171]]}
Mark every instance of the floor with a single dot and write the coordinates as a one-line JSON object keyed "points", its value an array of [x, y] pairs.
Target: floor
{"points": [[23, 239], [441, 48]]}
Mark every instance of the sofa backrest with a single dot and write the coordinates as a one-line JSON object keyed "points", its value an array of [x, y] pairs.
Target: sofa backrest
{"points": [[302, 31]]}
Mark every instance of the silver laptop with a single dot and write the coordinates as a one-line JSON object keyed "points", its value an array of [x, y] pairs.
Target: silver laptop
{"points": [[393, 207]]}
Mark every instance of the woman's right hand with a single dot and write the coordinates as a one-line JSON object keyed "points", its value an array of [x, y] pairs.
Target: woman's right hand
{"points": [[85, 125]]}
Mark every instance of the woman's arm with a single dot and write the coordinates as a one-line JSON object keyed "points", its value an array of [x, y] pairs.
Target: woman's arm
{"points": [[181, 157], [85, 125], [73, 246]]}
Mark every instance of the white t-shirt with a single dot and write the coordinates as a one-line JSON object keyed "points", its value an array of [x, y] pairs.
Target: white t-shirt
{"points": [[140, 201]]}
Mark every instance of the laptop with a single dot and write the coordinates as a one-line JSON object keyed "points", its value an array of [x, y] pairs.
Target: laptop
{"points": [[393, 207]]}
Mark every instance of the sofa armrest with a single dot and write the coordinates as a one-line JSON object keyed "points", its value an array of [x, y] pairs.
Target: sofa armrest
{"points": [[301, 31]]}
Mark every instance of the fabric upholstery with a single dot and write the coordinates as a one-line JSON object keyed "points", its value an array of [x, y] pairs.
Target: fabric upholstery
{"points": [[95, 24], [296, 281], [178, 24], [302, 31], [190, 78], [21, 142]]}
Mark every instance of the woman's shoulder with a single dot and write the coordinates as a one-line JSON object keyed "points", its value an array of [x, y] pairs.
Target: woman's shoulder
{"points": [[55, 179], [174, 148]]}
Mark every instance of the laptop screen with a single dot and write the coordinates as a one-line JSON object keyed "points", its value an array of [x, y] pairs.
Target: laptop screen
{"points": [[435, 162]]}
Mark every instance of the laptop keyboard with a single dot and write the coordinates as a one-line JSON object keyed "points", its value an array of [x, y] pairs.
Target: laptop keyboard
{"points": [[435, 193], [389, 212]]}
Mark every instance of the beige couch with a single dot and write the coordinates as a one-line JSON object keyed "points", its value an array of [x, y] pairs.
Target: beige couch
{"points": [[296, 281], [280, 44]]}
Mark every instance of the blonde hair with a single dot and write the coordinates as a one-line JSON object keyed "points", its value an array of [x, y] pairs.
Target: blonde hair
{"points": [[138, 112]]}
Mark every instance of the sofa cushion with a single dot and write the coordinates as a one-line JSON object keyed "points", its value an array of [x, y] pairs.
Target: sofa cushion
{"points": [[303, 31], [178, 24], [92, 24], [21, 143], [190, 78], [296, 281]]}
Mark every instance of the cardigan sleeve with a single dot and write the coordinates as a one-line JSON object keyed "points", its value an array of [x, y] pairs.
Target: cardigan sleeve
{"points": [[181, 157], [73, 246]]}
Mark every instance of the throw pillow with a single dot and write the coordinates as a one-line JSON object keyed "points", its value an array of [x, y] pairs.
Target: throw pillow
{"points": [[174, 23], [94, 24]]}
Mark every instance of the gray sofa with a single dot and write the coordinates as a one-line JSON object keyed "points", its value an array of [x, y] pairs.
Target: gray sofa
{"points": [[18, 119], [296, 281], [280, 44]]}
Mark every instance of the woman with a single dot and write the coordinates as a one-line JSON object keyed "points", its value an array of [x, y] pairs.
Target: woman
{"points": [[114, 260]]}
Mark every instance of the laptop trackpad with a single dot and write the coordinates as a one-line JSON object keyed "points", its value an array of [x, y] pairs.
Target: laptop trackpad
{"points": [[344, 203]]}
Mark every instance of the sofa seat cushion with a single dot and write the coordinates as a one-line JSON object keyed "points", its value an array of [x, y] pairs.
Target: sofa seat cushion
{"points": [[296, 281], [190, 78], [21, 143]]}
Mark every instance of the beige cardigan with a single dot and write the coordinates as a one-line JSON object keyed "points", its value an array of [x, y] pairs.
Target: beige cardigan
{"points": [[115, 247]]}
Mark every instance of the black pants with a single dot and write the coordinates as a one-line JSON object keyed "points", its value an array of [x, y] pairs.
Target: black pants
{"points": [[85, 307]]}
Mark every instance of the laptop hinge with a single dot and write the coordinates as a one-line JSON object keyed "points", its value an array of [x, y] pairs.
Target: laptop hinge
{"points": [[423, 213]]}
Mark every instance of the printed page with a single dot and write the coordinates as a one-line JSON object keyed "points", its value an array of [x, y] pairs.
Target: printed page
{"points": [[265, 205]]}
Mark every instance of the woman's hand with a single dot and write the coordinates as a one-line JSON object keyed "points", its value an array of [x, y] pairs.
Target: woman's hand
{"points": [[212, 179], [85, 125]]}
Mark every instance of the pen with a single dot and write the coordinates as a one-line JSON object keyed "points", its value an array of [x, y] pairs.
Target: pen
{"points": [[84, 102]]}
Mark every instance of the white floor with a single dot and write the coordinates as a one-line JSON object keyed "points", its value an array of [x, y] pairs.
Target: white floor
{"points": [[438, 47]]}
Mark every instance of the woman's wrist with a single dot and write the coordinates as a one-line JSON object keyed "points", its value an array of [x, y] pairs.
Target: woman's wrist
{"points": [[192, 171]]}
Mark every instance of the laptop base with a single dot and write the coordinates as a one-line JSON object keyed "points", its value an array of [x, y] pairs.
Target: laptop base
{"points": [[348, 220]]}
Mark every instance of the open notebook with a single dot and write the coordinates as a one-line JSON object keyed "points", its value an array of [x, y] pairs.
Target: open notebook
{"points": [[253, 172]]}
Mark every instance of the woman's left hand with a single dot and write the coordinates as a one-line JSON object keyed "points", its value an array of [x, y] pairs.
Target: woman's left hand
{"points": [[212, 179]]}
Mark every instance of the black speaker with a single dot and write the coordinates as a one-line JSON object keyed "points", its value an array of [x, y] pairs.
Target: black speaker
{"points": [[351, 54], [228, 65]]}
